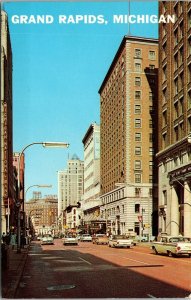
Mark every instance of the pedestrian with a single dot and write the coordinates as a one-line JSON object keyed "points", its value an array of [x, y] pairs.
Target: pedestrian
{"points": [[7, 239], [13, 240], [3, 237]]}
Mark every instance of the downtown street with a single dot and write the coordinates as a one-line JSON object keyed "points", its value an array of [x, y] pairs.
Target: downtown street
{"points": [[97, 271]]}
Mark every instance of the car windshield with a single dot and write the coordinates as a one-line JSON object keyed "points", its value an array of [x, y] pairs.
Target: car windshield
{"points": [[120, 237], [180, 239]]}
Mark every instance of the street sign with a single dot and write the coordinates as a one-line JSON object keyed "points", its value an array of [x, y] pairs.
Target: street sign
{"points": [[147, 225]]}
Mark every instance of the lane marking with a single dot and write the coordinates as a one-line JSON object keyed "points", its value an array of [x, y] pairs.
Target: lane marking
{"points": [[150, 296], [138, 261], [89, 263]]}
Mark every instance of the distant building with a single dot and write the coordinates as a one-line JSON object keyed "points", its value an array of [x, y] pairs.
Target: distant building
{"points": [[42, 214], [174, 156], [91, 198], [7, 190], [70, 184], [129, 99]]}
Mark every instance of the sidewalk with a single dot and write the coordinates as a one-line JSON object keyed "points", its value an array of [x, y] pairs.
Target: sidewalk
{"points": [[10, 277]]}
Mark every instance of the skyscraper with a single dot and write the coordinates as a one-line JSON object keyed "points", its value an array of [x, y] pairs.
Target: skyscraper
{"points": [[128, 97], [70, 183]]}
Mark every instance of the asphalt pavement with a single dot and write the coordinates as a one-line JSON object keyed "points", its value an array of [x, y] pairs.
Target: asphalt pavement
{"points": [[11, 274]]}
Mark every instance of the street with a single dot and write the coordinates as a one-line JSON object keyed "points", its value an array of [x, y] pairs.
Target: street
{"points": [[97, 271]]}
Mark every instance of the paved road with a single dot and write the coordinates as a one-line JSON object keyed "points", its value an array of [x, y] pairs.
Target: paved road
{"points": [[97, 271]]}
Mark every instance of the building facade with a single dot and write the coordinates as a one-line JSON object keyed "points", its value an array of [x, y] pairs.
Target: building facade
{"points": [[42, 214], [7, 190], [91, 198], [70, 184], [174, 157], [128, 97]]}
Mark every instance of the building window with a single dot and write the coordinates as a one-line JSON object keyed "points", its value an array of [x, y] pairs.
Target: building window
{"points": [[138, 53], [175, 61], [137, 81], [137, 123], [151, 137], [176, 86], [175, 37], [176, 133], [137, 150], [137, 67], [189, 124], [152, 55], [181, 55], [181, 30], [150, 178], [151, 165], [137, 109], [137, 95], [151, 67], [137, 192], [176, 110], [164, 140], [138, 136], [137, 164], [181, 80], [164, 72], [137, 178], [150, 123], [137, 208], [151, 151], [164, 118], [189, 99], [189, 46], [150, 96], [164, 98]]}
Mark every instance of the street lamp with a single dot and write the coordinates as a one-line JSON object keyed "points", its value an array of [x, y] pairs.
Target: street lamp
{"points": [[38, 186], [18, 204]]}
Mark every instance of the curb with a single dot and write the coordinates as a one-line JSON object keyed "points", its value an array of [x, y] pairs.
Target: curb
{"points": [[11, 291]]}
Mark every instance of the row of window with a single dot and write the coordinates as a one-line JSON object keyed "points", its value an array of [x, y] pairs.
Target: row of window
{"points": [[151, 54]]}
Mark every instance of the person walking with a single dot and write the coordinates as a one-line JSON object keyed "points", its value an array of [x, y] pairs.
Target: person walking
{"points": [[13, 240]]}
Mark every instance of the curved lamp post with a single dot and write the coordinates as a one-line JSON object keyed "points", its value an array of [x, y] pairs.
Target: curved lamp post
{"points": [[38, 186], [18, 204]]}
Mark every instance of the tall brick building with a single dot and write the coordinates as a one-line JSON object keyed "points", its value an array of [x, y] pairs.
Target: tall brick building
{"points": [[129, 97], [42, 213], [174, 155], [7, 190]]}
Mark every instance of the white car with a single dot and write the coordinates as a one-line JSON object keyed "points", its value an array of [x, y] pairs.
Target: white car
{"points": [[47, 239], [70, 240], [120, 241], [86, 238]]}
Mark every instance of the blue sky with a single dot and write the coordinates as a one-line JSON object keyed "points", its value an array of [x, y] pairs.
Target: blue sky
{"points": [[57, 72]]}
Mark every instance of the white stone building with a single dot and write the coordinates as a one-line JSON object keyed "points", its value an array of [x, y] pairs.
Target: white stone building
{"points": [[91, 199], [70, 184]]}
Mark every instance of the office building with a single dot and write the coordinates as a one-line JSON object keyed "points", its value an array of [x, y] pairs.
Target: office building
{"points": [[174, 156], [70, 184], [128, 98], [91, 198]]}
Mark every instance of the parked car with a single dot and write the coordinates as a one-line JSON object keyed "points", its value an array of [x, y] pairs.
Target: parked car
{"points": [[47, 239], [95, 236], [101, 239], [86, 238], [145, 238], [172, 245], [118, 241], [70, 240]]}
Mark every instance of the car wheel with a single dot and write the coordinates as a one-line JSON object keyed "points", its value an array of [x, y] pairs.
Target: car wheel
{"points": [[155, 250], [170, 254]]}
